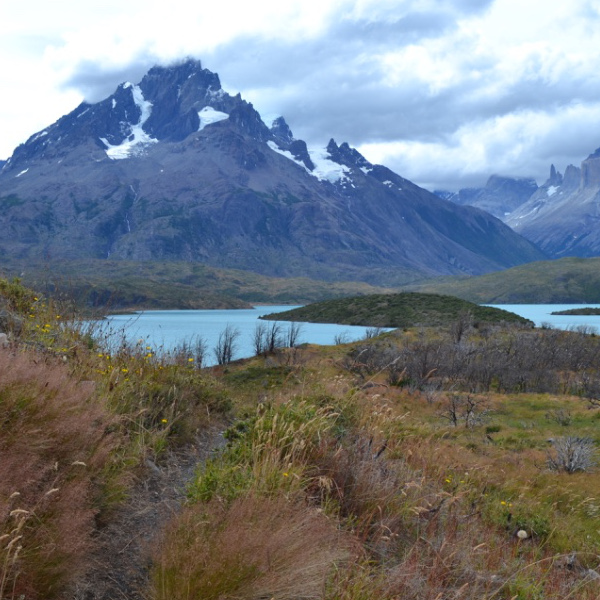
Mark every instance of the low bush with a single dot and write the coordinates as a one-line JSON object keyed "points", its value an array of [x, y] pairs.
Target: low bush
{"points": [[572, 454]]}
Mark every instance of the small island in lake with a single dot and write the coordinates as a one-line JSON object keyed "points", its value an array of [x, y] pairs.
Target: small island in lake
{"points": [[407, 309], [578, 311]]}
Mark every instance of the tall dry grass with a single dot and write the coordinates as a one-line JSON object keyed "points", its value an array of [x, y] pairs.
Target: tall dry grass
{"points": [[54, 445], [254, 547]]}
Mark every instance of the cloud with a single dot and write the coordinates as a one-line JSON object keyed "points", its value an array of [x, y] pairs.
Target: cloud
{"points": [[95, 81], [444, 92], [520, 144]]}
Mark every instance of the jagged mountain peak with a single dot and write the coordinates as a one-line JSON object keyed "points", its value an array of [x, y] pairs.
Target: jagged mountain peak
{"points": [[175, 168], [595, 154], [168, 104], [281, 131], [344, 154]]}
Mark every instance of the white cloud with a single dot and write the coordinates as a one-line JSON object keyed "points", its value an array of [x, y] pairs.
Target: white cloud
{"points": [[446, 92], [520, 144]]}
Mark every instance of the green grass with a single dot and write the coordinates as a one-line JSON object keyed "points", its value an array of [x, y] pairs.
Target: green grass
{"points": [[577, 311], [132, 285]]}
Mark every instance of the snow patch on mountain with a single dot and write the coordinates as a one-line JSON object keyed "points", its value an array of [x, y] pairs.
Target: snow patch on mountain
{"points": [[138, 139], [551, 190], [325, 169], [39, 135], [285, 153], [208, 115], [215, 93]]}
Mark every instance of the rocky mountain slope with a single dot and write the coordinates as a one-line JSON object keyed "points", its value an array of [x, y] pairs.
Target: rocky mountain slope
{"points": [[500, 196], [563, 216], [174, 168]]}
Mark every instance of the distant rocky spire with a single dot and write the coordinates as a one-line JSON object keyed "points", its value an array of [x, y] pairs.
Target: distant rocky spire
{"points": [[555, 176]]}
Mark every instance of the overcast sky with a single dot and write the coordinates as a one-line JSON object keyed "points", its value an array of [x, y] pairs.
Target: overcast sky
{"points": [[444, 92]]}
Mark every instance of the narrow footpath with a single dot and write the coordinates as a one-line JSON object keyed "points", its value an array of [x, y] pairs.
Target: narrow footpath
{"points": [[121, 563]]}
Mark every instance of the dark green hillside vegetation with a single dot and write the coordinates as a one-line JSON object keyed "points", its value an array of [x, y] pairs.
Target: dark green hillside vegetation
{"points": [[127, 285], [119, 285], [432, 462], [578, 311], [409, 309], [564, 281]]}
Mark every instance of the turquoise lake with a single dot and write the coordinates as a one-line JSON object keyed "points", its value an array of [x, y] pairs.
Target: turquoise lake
{"points": [[165, 329]]}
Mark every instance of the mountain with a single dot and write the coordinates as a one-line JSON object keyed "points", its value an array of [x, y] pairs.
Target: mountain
{"points": [[500, 196], [175, 168], [563, 216]]}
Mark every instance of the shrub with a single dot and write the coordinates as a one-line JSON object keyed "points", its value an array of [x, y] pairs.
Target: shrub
{"points": [[572, 454]]}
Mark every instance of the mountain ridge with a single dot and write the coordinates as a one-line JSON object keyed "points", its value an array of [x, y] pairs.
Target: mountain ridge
{"points": [[500, 196], [174, 168], [562, 217]]}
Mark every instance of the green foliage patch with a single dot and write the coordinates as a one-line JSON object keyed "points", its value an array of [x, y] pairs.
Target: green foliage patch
{"points": [[564, 281], [409, 309]]}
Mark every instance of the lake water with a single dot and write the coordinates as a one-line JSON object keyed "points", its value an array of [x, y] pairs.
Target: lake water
{"points": [[540, 315], [165, 329]]}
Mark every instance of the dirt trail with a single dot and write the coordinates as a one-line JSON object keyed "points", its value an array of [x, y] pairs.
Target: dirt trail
{"points": [[121, 562]]}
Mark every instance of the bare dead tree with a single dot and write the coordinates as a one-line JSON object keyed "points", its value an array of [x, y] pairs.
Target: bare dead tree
{"points": [[464, 408], [226, 345], [258, 338], [293, 334]]}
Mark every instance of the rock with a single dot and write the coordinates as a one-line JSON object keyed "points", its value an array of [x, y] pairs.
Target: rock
{"points": [[593, 575], [3, 340], [10, 322]]}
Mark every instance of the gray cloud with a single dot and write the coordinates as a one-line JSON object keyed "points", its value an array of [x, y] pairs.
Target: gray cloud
{"points": [[336, 85], [97, 81]]}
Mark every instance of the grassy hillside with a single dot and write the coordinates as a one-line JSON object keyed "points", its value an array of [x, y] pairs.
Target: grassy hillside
{"points": [[564, 281], [117, 285], [417, 465], [408, 309]]}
